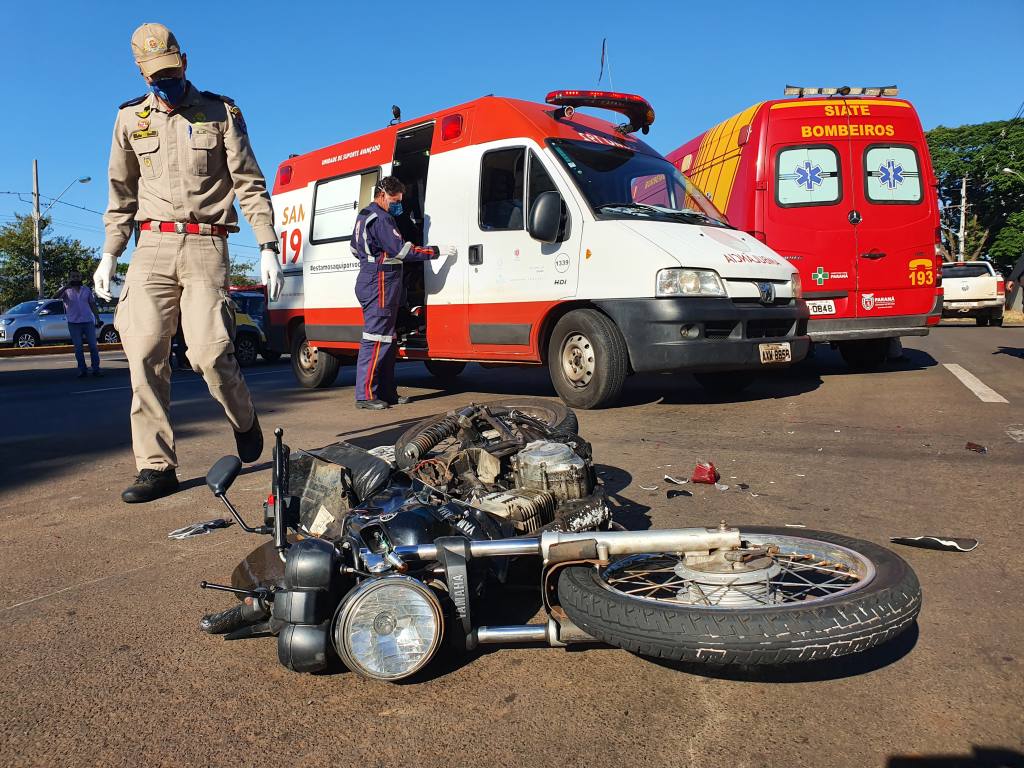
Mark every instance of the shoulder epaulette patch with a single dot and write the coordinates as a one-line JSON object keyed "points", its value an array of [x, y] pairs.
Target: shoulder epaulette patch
{"points": [[133, 102], [218, 96]]}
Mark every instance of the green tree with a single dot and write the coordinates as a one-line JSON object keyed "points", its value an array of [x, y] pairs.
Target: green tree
{"points": [[994, 198], [61, 255], [240, 271]]}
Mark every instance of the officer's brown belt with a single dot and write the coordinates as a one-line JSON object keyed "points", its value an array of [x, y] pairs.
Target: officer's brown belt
{"points": [[185, 228]]}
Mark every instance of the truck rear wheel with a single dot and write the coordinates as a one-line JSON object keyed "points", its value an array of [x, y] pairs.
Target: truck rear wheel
{"points": [[587, 359], [313, 368], [982, 321], [865, 354], [445, 370]]}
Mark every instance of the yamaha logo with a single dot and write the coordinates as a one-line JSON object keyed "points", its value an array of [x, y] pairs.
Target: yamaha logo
{"points": [[767, 291]]}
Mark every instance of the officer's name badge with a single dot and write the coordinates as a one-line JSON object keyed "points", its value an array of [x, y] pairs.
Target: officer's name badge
{"points": [[143, 134]]}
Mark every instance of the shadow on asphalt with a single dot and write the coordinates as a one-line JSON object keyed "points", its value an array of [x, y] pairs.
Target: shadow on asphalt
{"points": [[1011, 351], [806, 672], [980, 757], [828, 362]]}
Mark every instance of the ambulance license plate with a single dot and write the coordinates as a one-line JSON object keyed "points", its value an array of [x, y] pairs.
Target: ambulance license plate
{"points": [[826, 307], [775, 353]]}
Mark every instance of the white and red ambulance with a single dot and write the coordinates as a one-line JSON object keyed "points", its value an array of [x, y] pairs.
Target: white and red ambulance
{"points": [[579, 247]]}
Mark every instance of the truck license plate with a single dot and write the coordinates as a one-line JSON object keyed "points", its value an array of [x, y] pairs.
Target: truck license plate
{"points": [[775, 353], [826, 307]]}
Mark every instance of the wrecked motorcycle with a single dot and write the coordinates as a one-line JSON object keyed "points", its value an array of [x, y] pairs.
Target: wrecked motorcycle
{"points": [[377, 555]]}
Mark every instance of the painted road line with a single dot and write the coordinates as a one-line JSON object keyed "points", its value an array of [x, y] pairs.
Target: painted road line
{"points": [[186, 380], [1016, 432], [984, 392]]}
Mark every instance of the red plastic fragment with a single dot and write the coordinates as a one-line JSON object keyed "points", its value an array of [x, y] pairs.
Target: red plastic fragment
{"points": [[705, 472]]}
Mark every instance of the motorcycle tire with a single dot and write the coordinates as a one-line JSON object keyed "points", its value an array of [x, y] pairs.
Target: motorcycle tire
{"points": [[851, 621]]}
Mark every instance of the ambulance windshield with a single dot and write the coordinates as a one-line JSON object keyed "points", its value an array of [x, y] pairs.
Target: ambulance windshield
{"points": [[620, 183]]}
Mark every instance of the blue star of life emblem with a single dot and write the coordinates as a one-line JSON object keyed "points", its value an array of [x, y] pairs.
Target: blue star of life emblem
{"points": [[890, 174], [808, 176]]}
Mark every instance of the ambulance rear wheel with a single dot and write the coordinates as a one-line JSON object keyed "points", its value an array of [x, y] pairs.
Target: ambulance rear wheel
{"points": [[587, 359], [313, 368], [445, 370]]}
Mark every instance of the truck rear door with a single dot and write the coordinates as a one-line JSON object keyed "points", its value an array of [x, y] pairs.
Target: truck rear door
{"points": [[896, 215], [806, 213]]}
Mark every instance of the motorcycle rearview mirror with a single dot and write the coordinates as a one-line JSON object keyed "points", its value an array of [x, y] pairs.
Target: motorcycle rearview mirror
{"points": [[223, 474], [219, 480]]}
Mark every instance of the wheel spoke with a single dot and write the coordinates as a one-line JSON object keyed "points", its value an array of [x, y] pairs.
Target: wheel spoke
{"points": [[805, 576]]}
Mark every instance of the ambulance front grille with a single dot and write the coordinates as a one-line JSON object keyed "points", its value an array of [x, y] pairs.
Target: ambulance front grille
{"points": [[769, 329]]}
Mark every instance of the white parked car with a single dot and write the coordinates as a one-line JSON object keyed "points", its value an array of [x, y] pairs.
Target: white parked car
{"points": [[42, 321], [973, 289]]}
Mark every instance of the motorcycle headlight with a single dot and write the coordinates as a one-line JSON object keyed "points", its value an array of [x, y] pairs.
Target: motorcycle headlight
{"points": [[796, 286], [689, 282], [388, 628]]}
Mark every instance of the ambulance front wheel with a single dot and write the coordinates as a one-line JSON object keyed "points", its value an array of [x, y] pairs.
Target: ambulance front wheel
{"points": [[587, 359], [314, 368]]}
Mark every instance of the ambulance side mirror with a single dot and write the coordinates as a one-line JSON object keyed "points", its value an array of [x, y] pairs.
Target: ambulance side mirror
{"points": [[545, 217]]}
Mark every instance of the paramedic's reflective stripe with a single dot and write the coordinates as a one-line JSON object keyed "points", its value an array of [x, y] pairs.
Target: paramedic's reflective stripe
{"points": [[399, 257], [366, 234], [384, 339]]}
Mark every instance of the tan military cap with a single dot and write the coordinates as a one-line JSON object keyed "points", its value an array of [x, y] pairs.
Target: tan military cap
{"points": [[155, 47]]}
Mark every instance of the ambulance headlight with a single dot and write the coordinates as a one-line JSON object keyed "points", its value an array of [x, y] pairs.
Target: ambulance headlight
{"points": [[689, 282], [388, 628], [796, 286]]}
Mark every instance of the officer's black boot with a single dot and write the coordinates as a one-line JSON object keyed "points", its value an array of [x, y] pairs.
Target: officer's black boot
{"points": [[371, 405], [151, 484], [250, 442]]}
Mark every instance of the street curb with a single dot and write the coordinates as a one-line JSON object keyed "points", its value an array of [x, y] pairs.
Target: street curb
{"points": [[57, 349]]}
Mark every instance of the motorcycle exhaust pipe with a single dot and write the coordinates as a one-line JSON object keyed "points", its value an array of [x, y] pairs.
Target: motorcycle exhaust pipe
{"points": [[558, 546], [551, 632]]}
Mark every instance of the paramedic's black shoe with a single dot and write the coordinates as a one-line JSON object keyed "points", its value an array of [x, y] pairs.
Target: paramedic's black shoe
{"points": [[149, 485], [250, 442], [371, 405], [398, 400]]}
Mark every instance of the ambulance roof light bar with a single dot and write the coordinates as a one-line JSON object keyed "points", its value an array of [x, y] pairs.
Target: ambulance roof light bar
{"points": [[884, 90], [636, 108]]}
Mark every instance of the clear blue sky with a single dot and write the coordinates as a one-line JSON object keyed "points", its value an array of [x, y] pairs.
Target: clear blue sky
{"points": [[310, 74]]}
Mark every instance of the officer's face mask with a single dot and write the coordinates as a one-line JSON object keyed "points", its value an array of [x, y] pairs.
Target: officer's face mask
{"points": [[169, 89], [395, 208]]}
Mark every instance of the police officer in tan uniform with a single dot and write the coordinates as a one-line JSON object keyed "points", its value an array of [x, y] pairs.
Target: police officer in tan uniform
{"points": [[178, 160]]}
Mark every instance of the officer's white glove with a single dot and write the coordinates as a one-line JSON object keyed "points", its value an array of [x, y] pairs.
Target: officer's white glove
{"points": [[271, 273], [103, 276]]}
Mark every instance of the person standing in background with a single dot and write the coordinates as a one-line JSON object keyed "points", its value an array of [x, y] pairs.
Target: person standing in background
{"points": [[83, 320]]}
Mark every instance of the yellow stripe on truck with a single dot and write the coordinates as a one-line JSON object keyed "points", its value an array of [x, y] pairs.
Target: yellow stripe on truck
{"points": [[718, 158]]}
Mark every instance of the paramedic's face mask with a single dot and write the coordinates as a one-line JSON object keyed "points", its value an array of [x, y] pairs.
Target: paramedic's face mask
{"points": [[392, 205]]}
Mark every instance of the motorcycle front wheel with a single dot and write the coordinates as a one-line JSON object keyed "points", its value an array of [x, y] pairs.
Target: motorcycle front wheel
{"points": [[815, 595]]}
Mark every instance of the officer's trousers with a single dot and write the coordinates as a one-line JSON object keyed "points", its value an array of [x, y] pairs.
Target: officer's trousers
{"points": [[375, 368], [174, 275]]}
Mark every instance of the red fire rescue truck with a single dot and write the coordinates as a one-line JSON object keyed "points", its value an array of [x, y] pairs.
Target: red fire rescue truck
{"points": [[839, 181], [578, 246]]}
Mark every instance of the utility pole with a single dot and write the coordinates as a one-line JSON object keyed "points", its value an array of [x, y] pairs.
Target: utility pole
{"points": [[37, 248], [963, 216]]}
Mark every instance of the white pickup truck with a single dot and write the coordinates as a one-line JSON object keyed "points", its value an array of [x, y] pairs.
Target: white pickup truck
{"points": [[973, 289]]}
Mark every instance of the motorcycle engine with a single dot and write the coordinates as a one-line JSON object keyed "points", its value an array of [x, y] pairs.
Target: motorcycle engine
{"points": [[554, 467]]}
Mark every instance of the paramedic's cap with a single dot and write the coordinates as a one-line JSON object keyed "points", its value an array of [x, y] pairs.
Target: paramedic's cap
{"points": [[155, 47]]}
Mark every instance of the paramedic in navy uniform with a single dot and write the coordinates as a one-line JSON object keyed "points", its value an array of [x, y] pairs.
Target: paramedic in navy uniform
{"points": [[381, 253]]}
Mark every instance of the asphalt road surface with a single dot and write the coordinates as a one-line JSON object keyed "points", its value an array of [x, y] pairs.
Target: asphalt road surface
{"points": [[103, 662]]}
